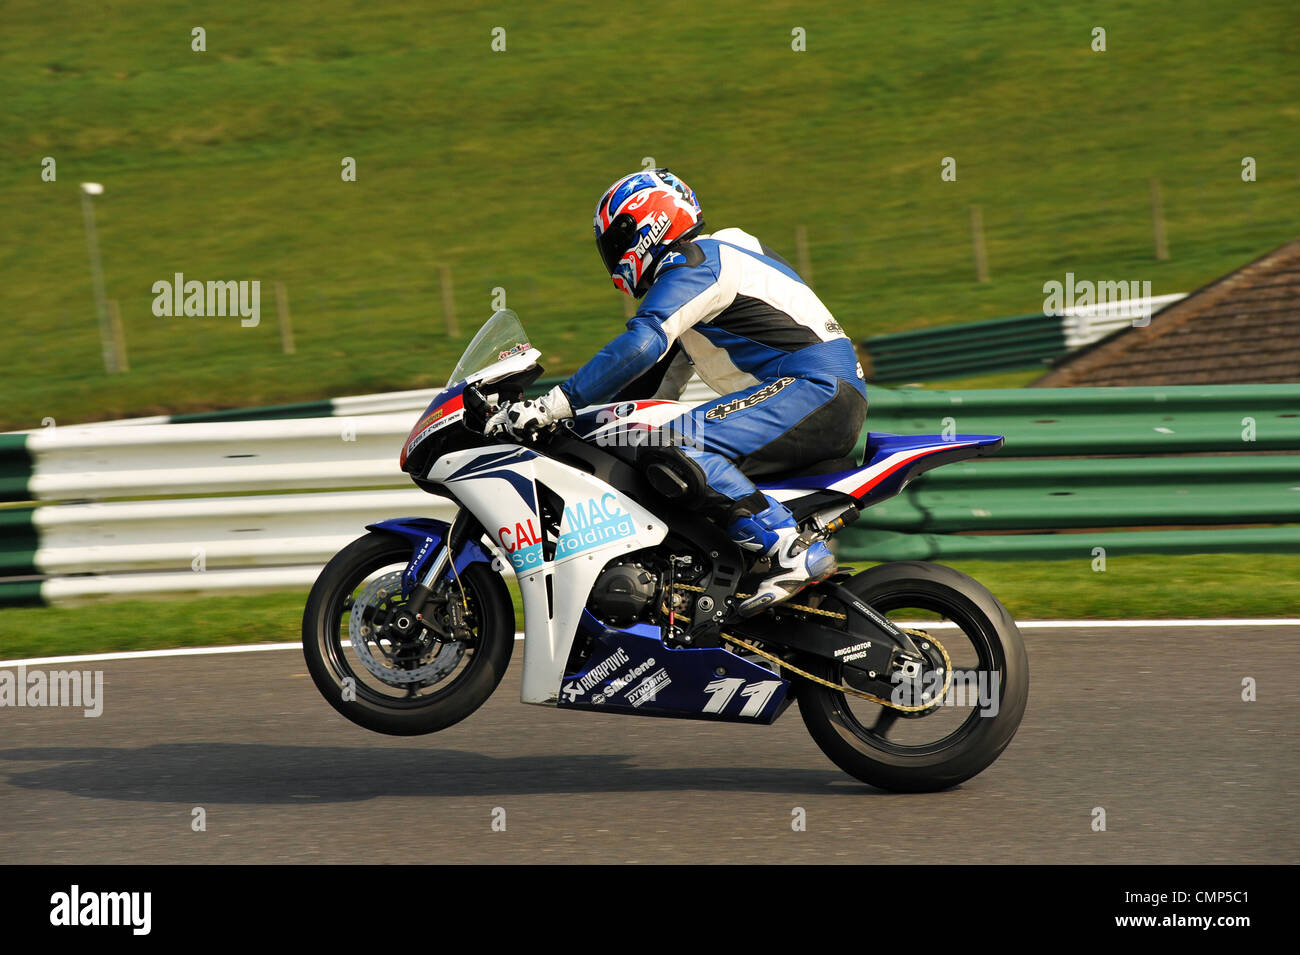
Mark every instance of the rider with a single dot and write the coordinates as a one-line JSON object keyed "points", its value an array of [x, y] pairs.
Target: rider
{"points": [[792, 387]]}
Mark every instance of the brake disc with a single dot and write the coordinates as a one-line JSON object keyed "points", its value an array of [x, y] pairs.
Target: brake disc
{"points": [[379, 598]]}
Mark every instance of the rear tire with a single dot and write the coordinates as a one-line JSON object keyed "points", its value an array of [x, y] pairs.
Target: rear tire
{"points": [[980, 739], [381, 708]]}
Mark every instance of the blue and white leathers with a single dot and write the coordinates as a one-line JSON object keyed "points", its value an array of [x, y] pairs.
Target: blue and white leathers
{"points": [[755, 332]]}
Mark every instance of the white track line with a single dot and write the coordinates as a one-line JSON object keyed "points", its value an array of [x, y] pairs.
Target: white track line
{"points": [[146, 654], [149, 654], [1023, 624], [1130, 624]]}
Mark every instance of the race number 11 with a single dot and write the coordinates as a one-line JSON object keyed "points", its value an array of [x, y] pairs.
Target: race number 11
{"points": [[721, 691]]}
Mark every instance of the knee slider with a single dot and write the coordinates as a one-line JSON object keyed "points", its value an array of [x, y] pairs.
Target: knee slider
{"points": [[679, 477], [673, 474]]}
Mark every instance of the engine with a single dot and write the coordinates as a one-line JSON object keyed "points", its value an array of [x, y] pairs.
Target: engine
{"points": [[623, 593]]}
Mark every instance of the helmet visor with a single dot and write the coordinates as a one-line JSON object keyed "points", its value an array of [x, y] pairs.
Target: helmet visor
{"points": [[616, 240]]}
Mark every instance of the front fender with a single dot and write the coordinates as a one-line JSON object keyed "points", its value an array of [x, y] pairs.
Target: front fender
{"points": [[426, 536]]}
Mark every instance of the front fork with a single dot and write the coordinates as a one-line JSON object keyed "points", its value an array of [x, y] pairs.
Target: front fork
{"points": [[460, 548], [461, 526]]}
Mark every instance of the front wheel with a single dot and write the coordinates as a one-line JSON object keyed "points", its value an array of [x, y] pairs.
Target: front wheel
{"points": [[404, 684], [966, 730]]}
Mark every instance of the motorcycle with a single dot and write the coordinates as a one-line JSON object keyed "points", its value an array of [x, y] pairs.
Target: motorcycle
{"points": [[909, 676]]}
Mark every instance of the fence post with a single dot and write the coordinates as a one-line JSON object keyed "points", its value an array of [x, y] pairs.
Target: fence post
{"points": [[977, 242], [801, 254], [282, 312], [1158, 220], [119, 337], [97, 276]]}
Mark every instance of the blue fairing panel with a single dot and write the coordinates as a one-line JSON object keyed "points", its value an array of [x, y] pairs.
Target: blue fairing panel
{"points": [[632, 671], [426, 536]]}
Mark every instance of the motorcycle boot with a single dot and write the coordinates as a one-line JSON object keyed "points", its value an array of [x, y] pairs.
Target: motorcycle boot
{"points": [[794, 561]]}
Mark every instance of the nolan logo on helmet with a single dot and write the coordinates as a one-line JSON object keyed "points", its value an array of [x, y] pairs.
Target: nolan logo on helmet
{"points": [[658, 229]]}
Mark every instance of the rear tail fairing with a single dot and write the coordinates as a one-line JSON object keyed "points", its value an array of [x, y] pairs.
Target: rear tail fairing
{"points": [[559, 527], [891, 462]]}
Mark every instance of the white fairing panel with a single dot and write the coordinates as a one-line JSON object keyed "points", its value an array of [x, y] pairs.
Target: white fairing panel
{"points": [[511, 365], [499, 486], [601, 424]]}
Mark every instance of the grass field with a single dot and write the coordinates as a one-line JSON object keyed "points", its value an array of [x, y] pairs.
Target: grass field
{"points": [[1131, 587], [225, 165]]}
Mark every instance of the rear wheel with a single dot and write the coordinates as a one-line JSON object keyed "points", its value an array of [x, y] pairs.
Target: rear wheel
{"points": [[404, 685], [972, 724]]}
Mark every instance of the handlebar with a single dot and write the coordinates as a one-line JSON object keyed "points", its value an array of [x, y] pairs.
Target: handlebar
{"points": [[478, 409]]}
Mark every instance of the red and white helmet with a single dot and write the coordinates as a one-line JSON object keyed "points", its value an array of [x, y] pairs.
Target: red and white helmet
{"points": [[637, 219]]}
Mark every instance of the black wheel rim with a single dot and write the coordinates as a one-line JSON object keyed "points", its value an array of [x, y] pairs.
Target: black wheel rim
{"points": [[370, 688], [872, 724]]}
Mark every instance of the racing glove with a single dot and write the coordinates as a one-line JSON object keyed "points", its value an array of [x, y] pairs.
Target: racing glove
{"points": [[519, 419]]}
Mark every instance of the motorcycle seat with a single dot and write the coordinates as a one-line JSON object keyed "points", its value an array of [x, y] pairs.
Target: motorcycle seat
{"points": [[829, 466]]}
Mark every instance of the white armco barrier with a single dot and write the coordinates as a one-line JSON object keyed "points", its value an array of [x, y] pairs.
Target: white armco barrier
{"points": [[59, 590], [101, 543], [391, 402], [1090, 323], [99, 463], [172, 459], [383, 403], [209, 533]]}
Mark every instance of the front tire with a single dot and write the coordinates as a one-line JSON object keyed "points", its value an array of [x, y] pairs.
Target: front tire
{"points": [[855, 734], [387, 698]]}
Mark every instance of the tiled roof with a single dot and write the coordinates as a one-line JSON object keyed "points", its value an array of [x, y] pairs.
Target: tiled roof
{"points": [[1242, 329]]}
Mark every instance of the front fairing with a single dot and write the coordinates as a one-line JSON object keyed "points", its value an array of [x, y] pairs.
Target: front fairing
{"points": [[446, 410], [558, 527], [442, 426]]}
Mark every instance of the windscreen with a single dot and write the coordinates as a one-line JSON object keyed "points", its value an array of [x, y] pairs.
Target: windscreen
{"points": [[501, 337]]}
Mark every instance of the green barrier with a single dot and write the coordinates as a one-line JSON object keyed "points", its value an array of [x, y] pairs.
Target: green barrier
{"points": [[993, 494], [19, 539], [1093, 421], [967, 330], [1021, 341], [1033, 495], [920, 348], [21, 593], [875, 545], [15, 467], [1107, 400], [949, 347], [1071, 473], [959, 366]]}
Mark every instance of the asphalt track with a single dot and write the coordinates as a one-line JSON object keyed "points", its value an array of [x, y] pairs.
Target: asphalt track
{"points": [[1147, 723]]}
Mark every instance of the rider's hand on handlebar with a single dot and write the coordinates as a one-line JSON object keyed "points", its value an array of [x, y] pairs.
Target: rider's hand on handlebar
{"points": [[517, 420], [522, 419]]}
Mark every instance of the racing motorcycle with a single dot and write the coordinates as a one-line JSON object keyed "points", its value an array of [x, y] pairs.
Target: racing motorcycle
{"points": [[909, 676]]}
